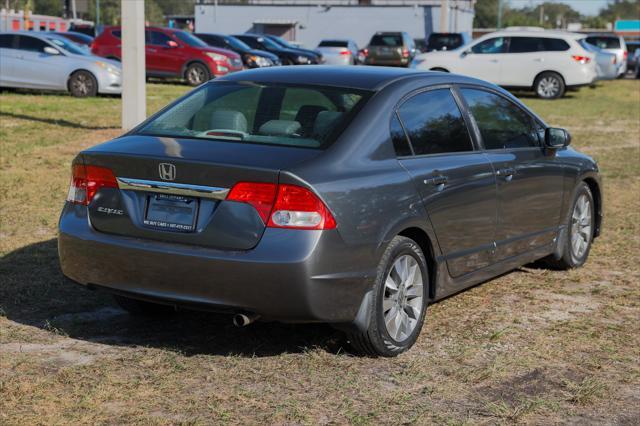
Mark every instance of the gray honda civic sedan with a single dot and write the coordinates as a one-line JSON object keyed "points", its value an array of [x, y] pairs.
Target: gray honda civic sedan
{"points": [[354, 197]]}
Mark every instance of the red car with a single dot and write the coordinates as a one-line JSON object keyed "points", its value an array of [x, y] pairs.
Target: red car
{"points": [[173, 53]]}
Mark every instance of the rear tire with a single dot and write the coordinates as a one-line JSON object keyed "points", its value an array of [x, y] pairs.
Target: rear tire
{"points": [[196, 74], [580, 229], [395, 315], [549, 85], [83, 84], [140, 308]]}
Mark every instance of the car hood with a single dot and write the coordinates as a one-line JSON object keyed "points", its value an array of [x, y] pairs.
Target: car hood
{"points": [[220, 51]]}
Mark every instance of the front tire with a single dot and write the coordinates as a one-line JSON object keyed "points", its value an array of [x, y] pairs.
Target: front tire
{"points": [[83, 84], [399, 301], [196, 74], [580, 230], [549, 85]]}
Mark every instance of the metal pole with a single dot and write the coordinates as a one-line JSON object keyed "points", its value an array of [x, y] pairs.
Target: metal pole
{"points": [[444, 16], [499, 14], [97, 14], [134, 97]]}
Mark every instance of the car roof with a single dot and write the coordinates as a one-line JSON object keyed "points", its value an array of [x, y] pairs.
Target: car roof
{"points": [[360, 78], [38, 34], [535, 33]]}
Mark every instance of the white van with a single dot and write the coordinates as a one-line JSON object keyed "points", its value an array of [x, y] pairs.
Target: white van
{"points": [[548, 62]]}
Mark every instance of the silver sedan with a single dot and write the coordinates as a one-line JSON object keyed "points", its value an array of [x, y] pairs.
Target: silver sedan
{"points": [[338, 52], [40, 60]]}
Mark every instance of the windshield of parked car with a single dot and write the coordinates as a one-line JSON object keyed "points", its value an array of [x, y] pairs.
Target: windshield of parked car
{"points": [[300, 116], [270, 44], [69, 46], [391, 40], [237, 43], [604, 42], [444, 41], [190, 40]]}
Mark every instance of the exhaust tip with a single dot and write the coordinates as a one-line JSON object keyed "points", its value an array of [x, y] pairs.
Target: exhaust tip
{"points": [[243, 320]]}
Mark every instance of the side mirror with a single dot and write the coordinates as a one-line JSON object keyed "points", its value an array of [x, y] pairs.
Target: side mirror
{"points": [[556, 137], [51, 50], [172, 44], [465, 53]]}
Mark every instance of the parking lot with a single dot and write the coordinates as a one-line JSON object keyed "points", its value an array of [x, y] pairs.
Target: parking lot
{"points": [[532, 346]]}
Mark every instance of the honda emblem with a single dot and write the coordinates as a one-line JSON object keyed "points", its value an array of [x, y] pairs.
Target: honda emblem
{"points": [[167, 171]]}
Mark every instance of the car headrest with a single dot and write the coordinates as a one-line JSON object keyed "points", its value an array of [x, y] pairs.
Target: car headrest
{"points": [[228, 120], [279, 128], [324, 120]]}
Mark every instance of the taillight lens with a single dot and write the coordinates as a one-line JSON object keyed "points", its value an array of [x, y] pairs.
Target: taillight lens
{"points": [[626, 54], [365, 52], [345, 52], [581, 59], [405, 53], [87, 180], [260, 195], [284, 206]]}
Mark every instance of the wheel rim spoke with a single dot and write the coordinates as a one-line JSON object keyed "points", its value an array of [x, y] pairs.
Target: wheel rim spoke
{"points": [[581, 226], [403, 297]]}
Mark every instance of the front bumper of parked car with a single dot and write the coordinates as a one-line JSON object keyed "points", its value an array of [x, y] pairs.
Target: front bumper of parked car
{"points": [[291, 275], [109, 83]]}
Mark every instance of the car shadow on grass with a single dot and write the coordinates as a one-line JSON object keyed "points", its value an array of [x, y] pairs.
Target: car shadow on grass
{"points": [[34, 292], [54, 121]]}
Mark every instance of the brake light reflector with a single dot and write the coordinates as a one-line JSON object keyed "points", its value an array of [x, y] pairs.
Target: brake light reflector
{"points": [[581, 59], [87, 180], [284, 205]]}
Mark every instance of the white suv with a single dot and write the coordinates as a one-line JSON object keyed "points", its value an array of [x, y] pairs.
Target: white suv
{"points": [[549, 62]]}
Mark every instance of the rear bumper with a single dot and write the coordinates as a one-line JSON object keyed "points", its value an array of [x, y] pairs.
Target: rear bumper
{"points": [[388, 62], [291, 275]]}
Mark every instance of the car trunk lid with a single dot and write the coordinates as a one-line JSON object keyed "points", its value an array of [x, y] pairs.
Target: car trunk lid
{"points": [[174, 190]]}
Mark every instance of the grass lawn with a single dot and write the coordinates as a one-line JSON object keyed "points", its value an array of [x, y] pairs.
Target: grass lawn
{"points": [[532, 346]]}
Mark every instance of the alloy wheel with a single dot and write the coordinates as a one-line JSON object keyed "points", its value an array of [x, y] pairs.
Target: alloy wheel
{"points": [[82, 84], [581, 226], [402, 301], [196, 75], [548, 87]]}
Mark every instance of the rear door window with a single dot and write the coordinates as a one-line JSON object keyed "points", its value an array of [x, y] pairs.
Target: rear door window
{"points": [[502, 124], [434, 123], [31, 44], [399, 138], [492, 45]]}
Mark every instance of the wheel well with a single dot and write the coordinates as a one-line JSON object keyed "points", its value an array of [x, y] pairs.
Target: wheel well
{"points": [[77, 71], [551, 71], [597, 199], [195, 61], [423, 240]]}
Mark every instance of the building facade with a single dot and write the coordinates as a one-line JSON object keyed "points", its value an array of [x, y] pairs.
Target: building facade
{"points": [[307, 22]]}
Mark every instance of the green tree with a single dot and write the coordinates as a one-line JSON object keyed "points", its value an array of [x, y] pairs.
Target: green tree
{"points": [[621, 9]]}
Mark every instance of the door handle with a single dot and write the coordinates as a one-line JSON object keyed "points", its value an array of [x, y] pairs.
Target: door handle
{"points": [[507, 173], [151, 50], [436, 180], [493, 60], [539, 60]]}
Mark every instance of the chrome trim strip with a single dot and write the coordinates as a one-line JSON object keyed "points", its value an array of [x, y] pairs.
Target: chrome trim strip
{"points": [[187, 190]]}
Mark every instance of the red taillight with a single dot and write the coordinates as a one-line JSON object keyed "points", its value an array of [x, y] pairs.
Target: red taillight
{"points": [[345, 52], [87, 180], [626, 54], [581, 59], [260, 195], [365, 52], [405, 53], [284, 206]]}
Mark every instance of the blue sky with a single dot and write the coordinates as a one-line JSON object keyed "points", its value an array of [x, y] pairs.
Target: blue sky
{"points": [[586, 7]]}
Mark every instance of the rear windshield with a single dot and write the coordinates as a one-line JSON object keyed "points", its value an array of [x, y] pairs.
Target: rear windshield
{"points": [[392, 40], [444, 41], [604, 42], [300, 116], [333, 43]]}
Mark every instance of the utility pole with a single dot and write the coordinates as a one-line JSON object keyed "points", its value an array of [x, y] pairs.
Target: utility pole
{"points": [[499, 25], [444, 16], [542, 15], [97, 15], [134, 94]]}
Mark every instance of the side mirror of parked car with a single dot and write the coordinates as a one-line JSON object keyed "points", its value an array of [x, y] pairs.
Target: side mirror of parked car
{"points": [[465, 53], [556, 137], [51, 51]]}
